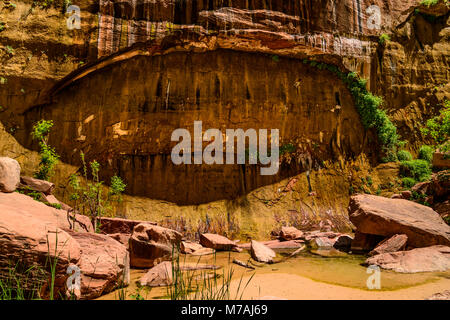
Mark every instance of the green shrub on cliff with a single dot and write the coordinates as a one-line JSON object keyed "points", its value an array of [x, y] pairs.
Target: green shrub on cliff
{"points": [[430, 3], [367, 105], [49, 157], [438, 128], [426, 153], [419, 169], [404, 155], [408, 182], [88, 197]]}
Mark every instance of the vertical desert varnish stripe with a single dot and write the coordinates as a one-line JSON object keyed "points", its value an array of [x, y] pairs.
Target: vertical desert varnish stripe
{"points": [[358, 14], [112, 29], [105, 35], [124, 34], [117, 27]]}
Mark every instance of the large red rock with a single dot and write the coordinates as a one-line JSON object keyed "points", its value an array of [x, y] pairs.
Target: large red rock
{"points": [[150, 244], [38, 185], [434, 258], [104, 264], [392, 244], [261, 253], [119, 225], [387, 217], [52, 216], [26, 236], [9, 174], [217, 242], [35, 242]]}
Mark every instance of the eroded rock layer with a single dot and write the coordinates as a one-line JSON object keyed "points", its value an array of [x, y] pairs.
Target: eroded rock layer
{"points": [[127, 126], [238, 62]]}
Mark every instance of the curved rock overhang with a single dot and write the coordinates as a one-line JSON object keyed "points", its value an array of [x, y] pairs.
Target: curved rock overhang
{"points": [[123, 110], [117, 128]]}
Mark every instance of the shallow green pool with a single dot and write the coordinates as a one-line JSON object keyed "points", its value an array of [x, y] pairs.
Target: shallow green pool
{"points": [[333, 268]]}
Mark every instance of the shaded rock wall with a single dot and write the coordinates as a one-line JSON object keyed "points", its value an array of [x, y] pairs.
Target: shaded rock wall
{"points": [[124, 117], [50, 63]]}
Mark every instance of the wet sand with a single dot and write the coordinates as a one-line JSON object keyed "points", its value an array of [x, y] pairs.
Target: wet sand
{"points": [[294, 287]]}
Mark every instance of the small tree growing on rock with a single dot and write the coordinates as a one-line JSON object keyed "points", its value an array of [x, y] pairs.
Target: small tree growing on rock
{"points": [[49, 157], [89, 197]]}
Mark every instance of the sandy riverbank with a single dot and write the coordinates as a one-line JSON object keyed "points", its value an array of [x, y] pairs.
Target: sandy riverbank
{"points": [[294, 287]]}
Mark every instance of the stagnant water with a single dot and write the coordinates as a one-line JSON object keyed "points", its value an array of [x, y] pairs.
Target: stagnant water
{"points": [[331, 267]]}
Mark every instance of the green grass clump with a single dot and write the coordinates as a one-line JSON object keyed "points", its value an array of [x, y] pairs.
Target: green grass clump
{"points": [[384, 38], [404, 155], [438, 128], [430, 3], [418, 169], [48, 155], [391, 156], [426, 153], [408, 182]]}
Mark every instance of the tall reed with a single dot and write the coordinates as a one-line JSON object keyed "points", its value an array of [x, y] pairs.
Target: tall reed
{"points": [[193, 285]]}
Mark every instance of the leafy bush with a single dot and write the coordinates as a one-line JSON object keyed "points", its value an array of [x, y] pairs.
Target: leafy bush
{"points": [[438, 128], [430, 3], [408, 182], [404, 155], [391, 156], [384, 38], [49, 157], [418, 169], [367, 105], [88, 196], [426, 153]]}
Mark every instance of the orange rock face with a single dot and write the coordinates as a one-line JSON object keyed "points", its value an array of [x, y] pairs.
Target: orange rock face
{"points": [[136, 71]]}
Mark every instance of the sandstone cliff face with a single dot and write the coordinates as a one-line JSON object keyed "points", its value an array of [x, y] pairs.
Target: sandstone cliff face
{"points": [[128, 124], [117, 87]]}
